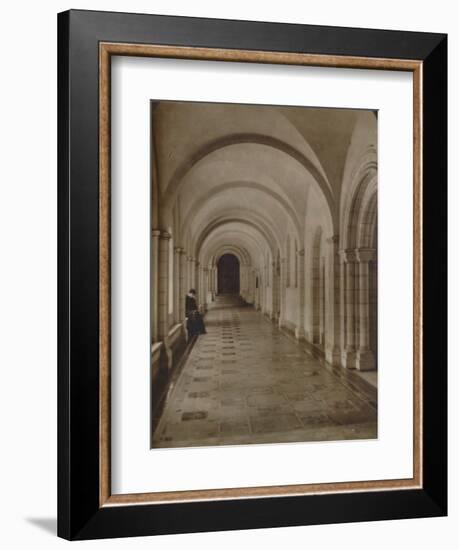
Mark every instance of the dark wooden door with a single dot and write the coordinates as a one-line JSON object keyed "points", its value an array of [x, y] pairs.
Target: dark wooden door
{"points": [[228, 274]]}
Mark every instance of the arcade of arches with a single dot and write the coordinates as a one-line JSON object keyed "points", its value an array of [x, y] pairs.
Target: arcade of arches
{"points": [[277, 205]]}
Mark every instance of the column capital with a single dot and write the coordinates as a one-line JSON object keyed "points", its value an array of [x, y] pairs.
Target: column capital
{"points": [[300, 252], [156, 232], [349, 255], [365, 254], [165, 235], [178, 250], [334, 239]]}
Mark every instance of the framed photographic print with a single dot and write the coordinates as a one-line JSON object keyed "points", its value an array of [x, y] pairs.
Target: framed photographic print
{"points": [[252, 274]]}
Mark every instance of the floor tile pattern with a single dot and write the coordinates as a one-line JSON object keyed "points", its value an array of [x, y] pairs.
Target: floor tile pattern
{"points": [[247, 382]]}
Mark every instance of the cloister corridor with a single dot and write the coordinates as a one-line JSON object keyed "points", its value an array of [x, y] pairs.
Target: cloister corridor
{"points": [[246, 381], [264, 219]]}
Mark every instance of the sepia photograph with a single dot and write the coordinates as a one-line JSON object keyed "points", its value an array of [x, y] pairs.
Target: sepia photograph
{"points": [[252, 282], [263, 274]]}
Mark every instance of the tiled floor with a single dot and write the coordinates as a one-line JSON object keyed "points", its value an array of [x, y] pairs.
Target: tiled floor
{"points": [[247, 382]]}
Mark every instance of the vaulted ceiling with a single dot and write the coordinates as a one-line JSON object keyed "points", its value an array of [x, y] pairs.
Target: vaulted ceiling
{"points": [[245, 175]]}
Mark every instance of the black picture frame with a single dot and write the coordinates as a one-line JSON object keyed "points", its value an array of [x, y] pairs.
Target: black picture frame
{"points": [[80, 515]]}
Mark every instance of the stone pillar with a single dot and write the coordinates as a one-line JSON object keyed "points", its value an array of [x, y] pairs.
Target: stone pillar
{"points": [[342, 299], [257, 285], [154, 277], [332, 350], [348, 353], [205, 287], [197, 282], [315, 297], [176, 286], [163, 286], [364, 357], [182, 284], [322, 302], [210, 283], [275, 291], [299, 330], [191, 273], [283, 291], [215, 282]]}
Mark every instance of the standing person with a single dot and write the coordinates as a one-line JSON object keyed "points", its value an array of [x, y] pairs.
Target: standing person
{"points": [[194, 320]]}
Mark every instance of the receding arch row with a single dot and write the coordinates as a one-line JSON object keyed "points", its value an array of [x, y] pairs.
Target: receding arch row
{"points": [[362, 182], [199, 203], [259, 225], [241, 254], [171, 192], [364, 195], [254, 243]]}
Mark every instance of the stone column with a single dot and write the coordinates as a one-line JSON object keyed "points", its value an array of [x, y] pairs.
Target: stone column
{"points": [[215, 282], [322, 302], [349, 351], [332, 350], [364, 357], [154, 277], [197, 282], [315, 298], [274, 291], [182, 285], [342, 298], [205, 287], [257, 285], [176, 286], [299, 330], [283, 291], [191, 273], [163, 286], [210, 283]]}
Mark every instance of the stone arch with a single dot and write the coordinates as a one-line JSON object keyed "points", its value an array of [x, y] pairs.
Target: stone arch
{"points": [[241, 254], [359, 231], [175, 183], [364, 192], [367, 243], [362, 181], [367, 221], [269, 236], [231, 185]]}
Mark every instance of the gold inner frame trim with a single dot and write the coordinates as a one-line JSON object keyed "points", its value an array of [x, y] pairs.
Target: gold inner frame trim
{"points": [[106, 50]]}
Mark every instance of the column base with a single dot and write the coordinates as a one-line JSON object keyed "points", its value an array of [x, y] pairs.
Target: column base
{"points": [[365, 360], [299, 334], [166, 357], [348, 358], [333, 356]]}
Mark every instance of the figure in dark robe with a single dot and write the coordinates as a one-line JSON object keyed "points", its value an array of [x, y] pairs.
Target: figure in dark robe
{"points": [[194, 320]]}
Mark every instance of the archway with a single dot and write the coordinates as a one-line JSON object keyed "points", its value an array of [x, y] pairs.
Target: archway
{"points": [[228, 274], [373, 298]]}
